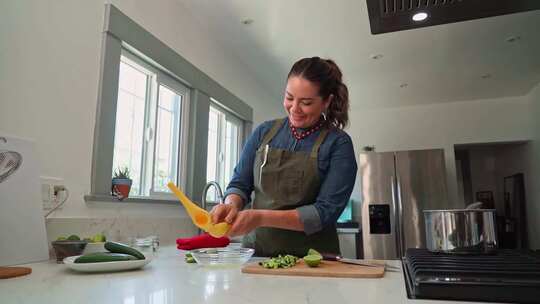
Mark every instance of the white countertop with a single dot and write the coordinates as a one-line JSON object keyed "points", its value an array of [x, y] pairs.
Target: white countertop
{"points": [[168, 279]]}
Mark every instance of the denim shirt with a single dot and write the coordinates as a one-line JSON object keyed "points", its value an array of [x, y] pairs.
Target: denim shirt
{"points": [[337, 172]]}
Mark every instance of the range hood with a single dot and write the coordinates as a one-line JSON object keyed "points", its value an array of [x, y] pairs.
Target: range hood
{"points": [[397, 15]]}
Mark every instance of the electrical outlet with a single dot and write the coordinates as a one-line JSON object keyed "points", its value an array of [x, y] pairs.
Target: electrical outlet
{"points": [[50, 188]]}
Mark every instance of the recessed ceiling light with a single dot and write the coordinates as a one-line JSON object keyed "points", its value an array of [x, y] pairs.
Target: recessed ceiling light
{"points": [[376, 56], [513, 38], [403, 85], [247, 21], [486, 76], [420, 16]]}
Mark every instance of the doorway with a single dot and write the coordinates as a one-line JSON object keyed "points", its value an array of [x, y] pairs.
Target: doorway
{"points": [[494, 174]]}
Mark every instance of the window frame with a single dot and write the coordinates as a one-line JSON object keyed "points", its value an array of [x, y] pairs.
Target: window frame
{"points": [[181, 168], [122, 32], [156, 79], [221, 130]]}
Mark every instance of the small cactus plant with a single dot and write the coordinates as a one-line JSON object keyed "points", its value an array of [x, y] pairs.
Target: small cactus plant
{"points": [[122, 173], [121, 183]]}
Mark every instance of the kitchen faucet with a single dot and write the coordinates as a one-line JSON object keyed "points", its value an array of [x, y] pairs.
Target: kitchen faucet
{"points": [[218, 192]]}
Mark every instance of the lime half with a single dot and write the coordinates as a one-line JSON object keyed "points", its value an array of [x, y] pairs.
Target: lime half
{"points": [[312, 251], [313, 260]]}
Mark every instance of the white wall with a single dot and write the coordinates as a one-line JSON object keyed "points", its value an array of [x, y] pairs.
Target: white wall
{"points": [[533, 208], [49, 67], [441, 126]]}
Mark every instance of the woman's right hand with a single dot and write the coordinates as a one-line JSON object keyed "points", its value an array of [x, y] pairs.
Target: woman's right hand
{"points": [[228, 211], [224, 213]]}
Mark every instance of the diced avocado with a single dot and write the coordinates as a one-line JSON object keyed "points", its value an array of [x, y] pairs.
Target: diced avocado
{"points": [[122, 248], [312, 260], [281, 261], [74, 237], [189, 258], [101, 257]]}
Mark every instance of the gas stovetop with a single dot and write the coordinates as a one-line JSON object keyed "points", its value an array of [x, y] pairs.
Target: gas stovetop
{"points": [[506, 276]]}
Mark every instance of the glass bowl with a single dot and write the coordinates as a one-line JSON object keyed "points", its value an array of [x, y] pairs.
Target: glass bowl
{"points": [[94, 247], [222, 256]]}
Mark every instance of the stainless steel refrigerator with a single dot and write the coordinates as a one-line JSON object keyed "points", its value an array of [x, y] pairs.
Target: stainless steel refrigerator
{"points": [[396, 188]]}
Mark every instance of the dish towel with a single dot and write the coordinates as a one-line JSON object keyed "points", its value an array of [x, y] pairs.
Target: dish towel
{"points": [[202, 241]]}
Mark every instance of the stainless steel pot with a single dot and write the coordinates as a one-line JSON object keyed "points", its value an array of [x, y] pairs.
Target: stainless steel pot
{"points": [[461, 231]]}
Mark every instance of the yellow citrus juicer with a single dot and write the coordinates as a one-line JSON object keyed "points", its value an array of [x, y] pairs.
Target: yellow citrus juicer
{"points": [[199, 216]]}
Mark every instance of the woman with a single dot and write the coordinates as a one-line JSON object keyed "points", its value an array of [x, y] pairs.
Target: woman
{"points": [[302, 168]]}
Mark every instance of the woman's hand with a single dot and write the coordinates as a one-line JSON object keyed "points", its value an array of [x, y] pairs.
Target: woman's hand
{"points": [[227, 211], [245, 222], [224, 213]]}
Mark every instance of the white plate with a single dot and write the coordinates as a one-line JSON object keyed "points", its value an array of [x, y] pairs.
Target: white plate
{"points": [[104, 266]]}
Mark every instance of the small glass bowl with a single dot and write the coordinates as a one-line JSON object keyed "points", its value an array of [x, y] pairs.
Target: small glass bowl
{"points": [[222, 256]]}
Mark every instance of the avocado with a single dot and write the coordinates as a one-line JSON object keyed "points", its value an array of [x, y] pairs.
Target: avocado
{"points": [[73, 237], [101, 257], [122, 248]]}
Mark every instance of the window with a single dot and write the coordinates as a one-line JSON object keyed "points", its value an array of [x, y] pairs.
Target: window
{"points": [[150, 127], [224, 139], [142, 116]]}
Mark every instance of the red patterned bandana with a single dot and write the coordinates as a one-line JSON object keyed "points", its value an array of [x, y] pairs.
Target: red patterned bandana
{"points": [[307, 132]]}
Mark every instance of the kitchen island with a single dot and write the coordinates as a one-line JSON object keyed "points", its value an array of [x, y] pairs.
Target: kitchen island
{"points": [[168, 279]]}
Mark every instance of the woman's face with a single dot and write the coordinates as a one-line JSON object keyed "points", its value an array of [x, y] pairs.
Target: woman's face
{"points": [[303, 103]]}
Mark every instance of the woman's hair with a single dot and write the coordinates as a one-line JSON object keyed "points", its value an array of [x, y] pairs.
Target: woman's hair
{"points": [[327, 75]]}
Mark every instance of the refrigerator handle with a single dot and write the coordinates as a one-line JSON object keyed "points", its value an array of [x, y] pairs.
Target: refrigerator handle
{"points": [[397, 219], [400, 215]]}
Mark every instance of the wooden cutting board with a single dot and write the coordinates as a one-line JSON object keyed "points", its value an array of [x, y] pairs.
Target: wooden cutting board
{"points": [[325, 269], [11, 272]]}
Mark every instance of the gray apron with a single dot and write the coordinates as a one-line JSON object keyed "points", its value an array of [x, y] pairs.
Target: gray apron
{"points": [[288, 180]]}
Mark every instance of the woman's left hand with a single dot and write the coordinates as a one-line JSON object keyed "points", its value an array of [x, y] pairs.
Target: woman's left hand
{"points": [[245, 222]]}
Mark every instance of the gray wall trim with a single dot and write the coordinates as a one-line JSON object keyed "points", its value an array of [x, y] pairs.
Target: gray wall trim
{"points": [[128, 31], [103, 148]]}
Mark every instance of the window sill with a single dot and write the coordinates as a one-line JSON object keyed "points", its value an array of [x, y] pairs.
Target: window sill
{"points": [[144, 200]]}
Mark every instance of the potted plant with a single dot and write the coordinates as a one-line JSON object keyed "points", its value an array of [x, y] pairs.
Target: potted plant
{"points": [[121, 183]]}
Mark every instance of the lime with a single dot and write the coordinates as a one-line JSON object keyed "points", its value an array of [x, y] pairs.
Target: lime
{"points": [[74, 237], [98, 238], [312, 251], [313, 260]]}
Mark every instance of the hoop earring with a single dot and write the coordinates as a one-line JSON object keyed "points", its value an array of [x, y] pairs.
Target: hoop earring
{"points": [[324, 115]]}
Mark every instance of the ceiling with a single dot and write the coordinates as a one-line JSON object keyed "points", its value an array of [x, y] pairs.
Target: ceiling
{"points": [[454, 62]]}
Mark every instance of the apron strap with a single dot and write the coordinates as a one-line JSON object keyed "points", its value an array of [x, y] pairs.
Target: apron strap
{"points": [[318, 142], [275, 128]]}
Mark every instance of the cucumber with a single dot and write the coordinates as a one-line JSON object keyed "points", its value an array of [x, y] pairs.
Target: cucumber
{"points": [[101, 257], [121, 248]]}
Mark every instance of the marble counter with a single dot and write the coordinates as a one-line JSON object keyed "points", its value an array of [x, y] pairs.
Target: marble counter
{"points": [[168, 279]]}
